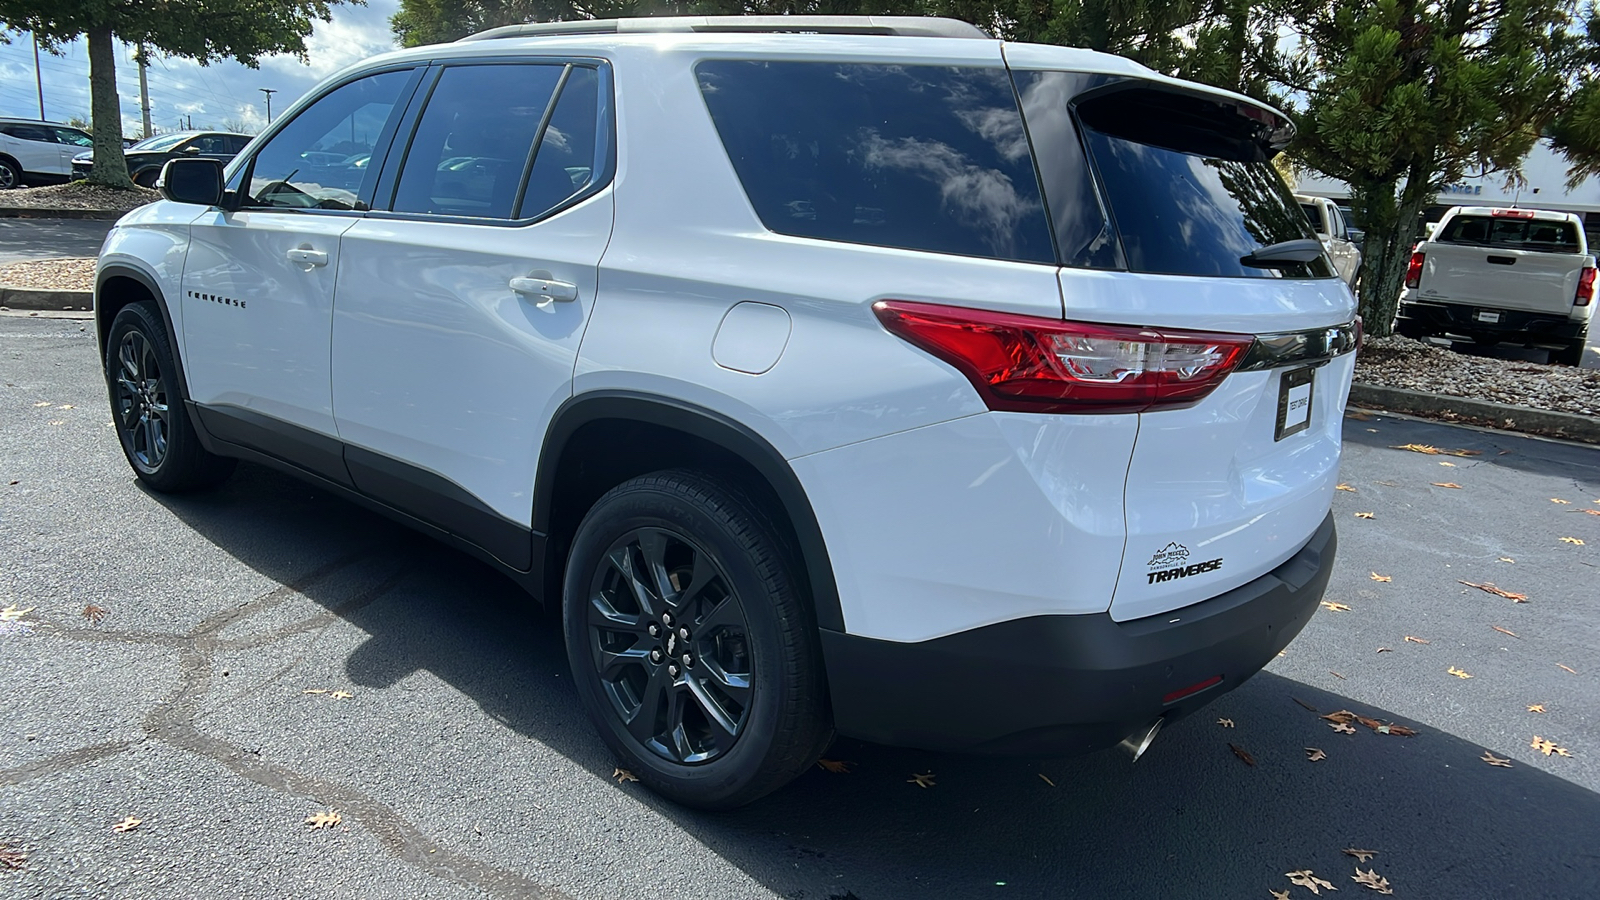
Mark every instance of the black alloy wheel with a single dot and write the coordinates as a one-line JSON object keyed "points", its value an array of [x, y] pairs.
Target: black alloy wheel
{"points": [[692, 641], [670, 644], [10, 175], [142, 402]]}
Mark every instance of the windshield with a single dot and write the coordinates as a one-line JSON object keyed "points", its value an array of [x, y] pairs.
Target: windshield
{"points": [[160, 142], [1508, 233]]}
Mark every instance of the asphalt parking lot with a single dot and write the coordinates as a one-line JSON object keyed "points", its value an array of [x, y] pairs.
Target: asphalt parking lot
{"points": [[25, 239], [461, 765]]}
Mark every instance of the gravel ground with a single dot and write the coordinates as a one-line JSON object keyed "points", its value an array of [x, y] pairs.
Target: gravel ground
{"points": [[69, 274], [1401, 362], [77, 195]]}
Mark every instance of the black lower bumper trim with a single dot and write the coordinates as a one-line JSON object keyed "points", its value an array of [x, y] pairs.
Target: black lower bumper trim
{"points": [[1513, 325], [1064, 685]]}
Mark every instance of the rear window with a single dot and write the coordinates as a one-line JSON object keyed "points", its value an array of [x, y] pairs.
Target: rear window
{"points": [[1188, 179], [1511, 234], [1312, 216], [928, 158]]}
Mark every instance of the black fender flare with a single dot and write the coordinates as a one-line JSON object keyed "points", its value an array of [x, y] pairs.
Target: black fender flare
{"points": [[103, 326], [714, 428]]}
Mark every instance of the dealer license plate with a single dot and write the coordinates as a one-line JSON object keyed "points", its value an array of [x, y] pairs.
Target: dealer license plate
{"points": [[1295, 388]]}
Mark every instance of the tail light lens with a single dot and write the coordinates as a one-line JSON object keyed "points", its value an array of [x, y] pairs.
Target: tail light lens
{"points": [[1585, 287], [1030, 364], [1414, 270]]}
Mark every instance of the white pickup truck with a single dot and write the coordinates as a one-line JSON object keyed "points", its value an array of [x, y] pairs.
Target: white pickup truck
{"points": [[1490, 275], [1334, 233]]}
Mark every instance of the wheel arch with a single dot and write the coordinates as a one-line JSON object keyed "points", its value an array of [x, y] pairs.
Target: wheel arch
{"points": [[118, 285], [598, 440]]}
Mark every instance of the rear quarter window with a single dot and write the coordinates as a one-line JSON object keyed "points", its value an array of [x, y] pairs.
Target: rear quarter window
{"points": [[1507, 233], [928, 158]]}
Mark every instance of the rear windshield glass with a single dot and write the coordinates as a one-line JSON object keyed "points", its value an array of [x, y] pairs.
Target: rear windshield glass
{"points": [[919, 157], [1191, 184], [1511, 234]]}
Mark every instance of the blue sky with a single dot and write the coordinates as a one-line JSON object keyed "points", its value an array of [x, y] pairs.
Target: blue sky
{"points": [[211, 95]]}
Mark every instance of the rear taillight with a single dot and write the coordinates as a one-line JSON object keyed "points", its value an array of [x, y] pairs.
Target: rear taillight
{"points": [[1414, 269], [1030, 364], [1585, 287]]}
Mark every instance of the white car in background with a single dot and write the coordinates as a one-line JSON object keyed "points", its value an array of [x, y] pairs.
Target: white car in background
{"points": [[34, 152], [1328, 221]]}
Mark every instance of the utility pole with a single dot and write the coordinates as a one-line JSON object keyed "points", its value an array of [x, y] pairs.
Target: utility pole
{"points": [[190, 125], [38, 76], [269, 92], [144, 89]]}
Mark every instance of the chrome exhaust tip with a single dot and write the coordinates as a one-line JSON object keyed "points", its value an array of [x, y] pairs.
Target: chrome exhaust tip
{"points": [[1137, 743]]}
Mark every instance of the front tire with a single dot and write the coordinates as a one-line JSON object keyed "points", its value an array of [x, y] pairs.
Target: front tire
{"points": [[147, 406], [690, 643]]}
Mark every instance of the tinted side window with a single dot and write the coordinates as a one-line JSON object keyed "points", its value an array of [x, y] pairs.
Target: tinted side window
{"points": [[472, 143], [566, 162], [1191, 183], [920, 157], [236, 144], [209, 144], [30, 133], [74, 137], [318, 160]]}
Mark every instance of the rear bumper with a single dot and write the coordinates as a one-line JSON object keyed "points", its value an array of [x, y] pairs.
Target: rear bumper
{"points": [[1462, 318], [1069, 684]]}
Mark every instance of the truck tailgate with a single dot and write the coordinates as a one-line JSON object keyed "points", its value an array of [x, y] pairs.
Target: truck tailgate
{"points": [[1500, 278]]}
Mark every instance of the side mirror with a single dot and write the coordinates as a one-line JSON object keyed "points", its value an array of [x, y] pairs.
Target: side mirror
{"points": [[191, 149], [196, 180]]}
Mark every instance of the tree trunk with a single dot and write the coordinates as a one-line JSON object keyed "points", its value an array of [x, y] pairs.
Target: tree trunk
{"points": [[110, 167], [1394, 222]]}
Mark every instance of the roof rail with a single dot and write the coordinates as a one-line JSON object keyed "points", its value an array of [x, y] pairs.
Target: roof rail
{"points": [[912, 26]]}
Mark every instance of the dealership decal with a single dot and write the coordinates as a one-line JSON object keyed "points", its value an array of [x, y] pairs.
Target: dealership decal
{"points": [[1168, 563]]}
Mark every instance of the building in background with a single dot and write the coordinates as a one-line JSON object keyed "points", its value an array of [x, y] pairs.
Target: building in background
{"points": [[1545, 187]]}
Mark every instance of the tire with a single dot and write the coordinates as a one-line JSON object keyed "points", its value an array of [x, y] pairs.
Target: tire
{"points": [[681, 722], [147, 407], [10, 175], [147, 178], [1572, 356], [1410, 328]]}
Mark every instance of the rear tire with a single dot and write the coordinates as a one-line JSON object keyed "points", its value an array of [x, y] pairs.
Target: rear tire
{"points": [[147, 178], [10, 175], [147, 407], [690, 643], [1410, 328]]}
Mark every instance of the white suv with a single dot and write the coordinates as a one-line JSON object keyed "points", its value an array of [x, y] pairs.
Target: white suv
{"points": [[35, 152], [831, 374]]}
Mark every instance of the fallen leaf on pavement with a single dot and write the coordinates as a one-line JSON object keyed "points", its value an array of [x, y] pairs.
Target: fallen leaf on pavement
{"points": [[1537, 707], [1343, 715], [1507, 559], [94, 613], [1458, 673], [315, 691], [1225, 723], [1335, 674], [1377, 577], [65, 406], [1385, 650], [1303, 703], [1560, 501], [836, 766], [1047, 779], [1335, 607], [623, 775], [1572, 540], [1304, 878], [1417, 640], [1243, 754], [1314, 755], [1363, 515], [1435, 451], [1568, 668], [1342, 727], [1505, 631], [1358, 416], [1489, 587], [130, 823], [323, 819], [1398, 729], [1360, 855], [1450, 464], [1445, 484], [1278, 895], [43, 403], [1592, 512], [1373, 880], [12, 614], [1548, 747], [341, 695], [12, 858], [1493, 760], [1345, 487], [924, 780]]}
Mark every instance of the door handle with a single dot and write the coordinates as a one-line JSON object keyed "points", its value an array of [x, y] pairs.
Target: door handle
{"points": [[542, 286], [306, 256]]}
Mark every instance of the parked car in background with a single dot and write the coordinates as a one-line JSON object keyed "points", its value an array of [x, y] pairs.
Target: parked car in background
{"points": [[1493, 275], [146, 158], [1329, 223], [35, 153]]}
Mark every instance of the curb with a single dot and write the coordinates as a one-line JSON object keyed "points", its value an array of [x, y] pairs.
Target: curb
{"points": [[1505, 417], [35, 212], [35, 299]]}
